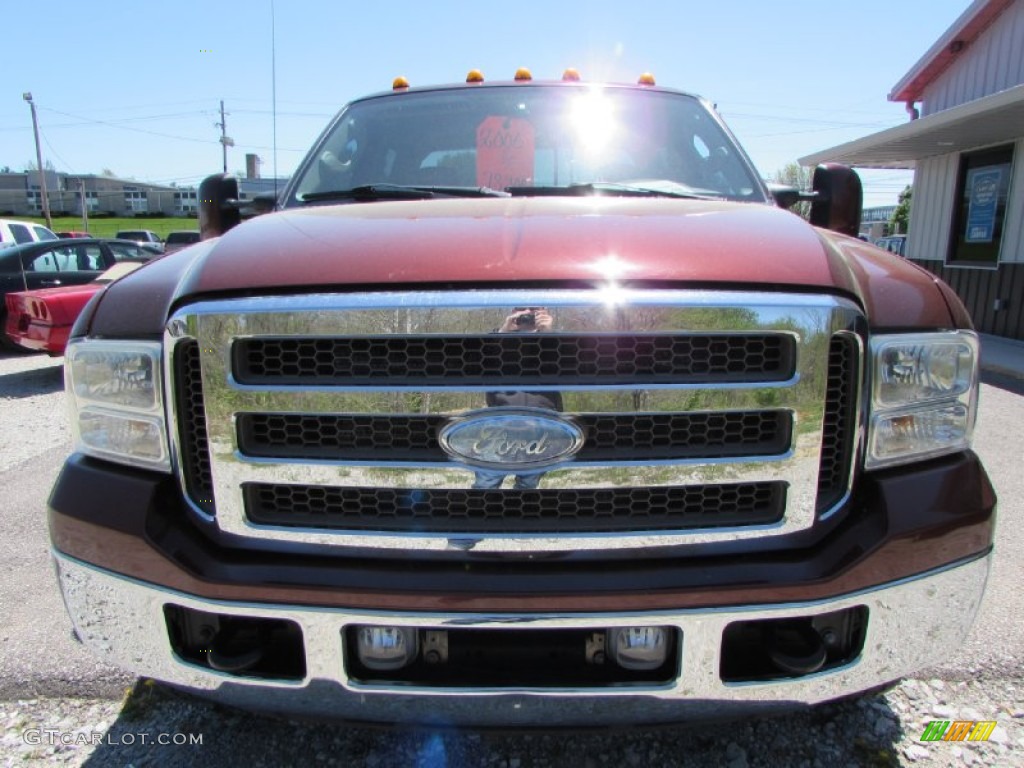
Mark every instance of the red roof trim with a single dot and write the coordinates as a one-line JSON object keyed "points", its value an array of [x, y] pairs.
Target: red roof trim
{"points": [[964, 30]]}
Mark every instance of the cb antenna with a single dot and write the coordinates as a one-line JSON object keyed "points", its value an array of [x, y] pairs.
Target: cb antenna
{"points": [[273, 90]]}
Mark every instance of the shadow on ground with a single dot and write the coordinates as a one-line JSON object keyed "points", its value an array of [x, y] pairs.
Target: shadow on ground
{"points": [[37, 381], [862, 732], [1010, 383]]}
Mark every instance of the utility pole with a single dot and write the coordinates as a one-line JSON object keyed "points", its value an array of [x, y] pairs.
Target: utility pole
{"points": [[85, 206], [225, 140], [27, 96]]}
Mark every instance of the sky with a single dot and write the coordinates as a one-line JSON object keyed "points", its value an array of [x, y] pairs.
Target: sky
{"points": [[135, 87]]}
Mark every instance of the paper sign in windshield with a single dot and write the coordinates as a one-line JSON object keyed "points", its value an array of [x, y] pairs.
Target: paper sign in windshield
{"points": [[504, 152], [983, 184]]}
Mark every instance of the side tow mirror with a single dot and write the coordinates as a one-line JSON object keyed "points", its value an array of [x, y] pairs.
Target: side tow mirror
{"points": [[218, 205], [838, 199]]}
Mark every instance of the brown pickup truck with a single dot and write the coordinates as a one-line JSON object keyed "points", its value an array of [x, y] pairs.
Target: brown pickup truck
{"points": [[529, 403]]}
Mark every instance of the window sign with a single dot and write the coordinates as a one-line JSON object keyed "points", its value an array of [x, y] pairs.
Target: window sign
{"points": [[504, 152], [983, 186], [979, 212]]}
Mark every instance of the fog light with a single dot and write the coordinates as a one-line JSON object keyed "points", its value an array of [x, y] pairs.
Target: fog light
{"points": [[387, 647], [638, 647]]}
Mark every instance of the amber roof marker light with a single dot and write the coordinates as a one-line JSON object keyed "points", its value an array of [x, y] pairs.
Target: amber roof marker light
{"points": [[523, 75], [474, 76], [645, 79], [571, 75], [399, 84]]}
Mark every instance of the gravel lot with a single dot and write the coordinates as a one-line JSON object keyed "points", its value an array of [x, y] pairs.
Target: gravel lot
{"points": [[49, 685]]}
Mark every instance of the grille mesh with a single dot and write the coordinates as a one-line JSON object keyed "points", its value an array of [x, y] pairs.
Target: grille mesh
{"points": [[412, 437], [515, 511], [195, 449], [515, 359], [840, 422]]}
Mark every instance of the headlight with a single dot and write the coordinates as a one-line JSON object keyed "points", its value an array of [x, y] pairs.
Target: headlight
{"points": [[117, 410], [924, 396]]}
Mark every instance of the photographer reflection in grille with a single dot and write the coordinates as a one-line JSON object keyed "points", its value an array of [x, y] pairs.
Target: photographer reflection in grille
{"points": [[522, 320]]}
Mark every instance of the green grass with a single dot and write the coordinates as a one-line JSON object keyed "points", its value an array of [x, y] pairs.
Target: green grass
{"points": [[109, 227]]}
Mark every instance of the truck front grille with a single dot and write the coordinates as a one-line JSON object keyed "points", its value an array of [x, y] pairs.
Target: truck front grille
{"points": [[413, 437], [704, 416], [512, 511], [840, 421], [514, 359], [191, 411]]}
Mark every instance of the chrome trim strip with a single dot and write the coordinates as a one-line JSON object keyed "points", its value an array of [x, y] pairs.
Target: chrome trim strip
{"points": [[122, 621], [810, 319]]}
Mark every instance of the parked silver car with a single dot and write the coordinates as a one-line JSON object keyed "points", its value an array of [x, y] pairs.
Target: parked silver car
{"points": [[142, 237]]}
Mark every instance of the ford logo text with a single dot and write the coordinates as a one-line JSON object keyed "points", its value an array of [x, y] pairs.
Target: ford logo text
{"points": [[511, 438]]}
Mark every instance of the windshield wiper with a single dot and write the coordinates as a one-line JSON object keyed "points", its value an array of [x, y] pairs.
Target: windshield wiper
{"points": [[608, 188], [370, 192]]}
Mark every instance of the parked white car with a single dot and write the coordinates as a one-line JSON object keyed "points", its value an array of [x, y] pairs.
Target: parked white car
{"points": [[13, 232]]}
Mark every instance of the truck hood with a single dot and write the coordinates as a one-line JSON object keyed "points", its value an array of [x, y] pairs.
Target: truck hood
{"points": [[580, 241], [516, 239]]}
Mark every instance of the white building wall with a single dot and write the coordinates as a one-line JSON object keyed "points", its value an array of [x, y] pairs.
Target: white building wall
{"points": [[992, 63], [1013, 233], [931, 210]]}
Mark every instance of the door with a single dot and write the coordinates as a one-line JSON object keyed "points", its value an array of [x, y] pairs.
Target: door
{"points": [[64, 264]]}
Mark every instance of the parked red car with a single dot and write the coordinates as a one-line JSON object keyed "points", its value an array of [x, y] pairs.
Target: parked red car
{"points": [[41, 319]]}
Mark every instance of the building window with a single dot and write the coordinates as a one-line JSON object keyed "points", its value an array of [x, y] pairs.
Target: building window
{"points": [[92, 201], [35, 199], [982, 189], [186, 202], [135, 200]]}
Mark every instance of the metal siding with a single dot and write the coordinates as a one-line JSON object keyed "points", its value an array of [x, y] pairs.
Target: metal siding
{"points": [[1012, 251], [978, 288], [992, 63], [931, 212]]}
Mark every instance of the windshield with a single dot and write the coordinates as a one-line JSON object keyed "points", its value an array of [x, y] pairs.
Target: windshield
{"points": [[518, 138]]}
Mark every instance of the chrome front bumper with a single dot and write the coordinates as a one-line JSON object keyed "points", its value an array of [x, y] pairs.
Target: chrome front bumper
{"points": [[912, 624]]}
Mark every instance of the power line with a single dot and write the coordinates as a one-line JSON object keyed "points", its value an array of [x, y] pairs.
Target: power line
{"points": [[54, 152], [137, 130]]}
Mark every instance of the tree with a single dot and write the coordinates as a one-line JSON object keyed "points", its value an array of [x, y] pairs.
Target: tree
{"points": [[900, 220], [31, 167], [798, 176]]}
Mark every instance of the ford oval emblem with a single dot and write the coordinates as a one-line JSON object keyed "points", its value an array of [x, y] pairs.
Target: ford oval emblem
{"points": [[511, 438]]}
